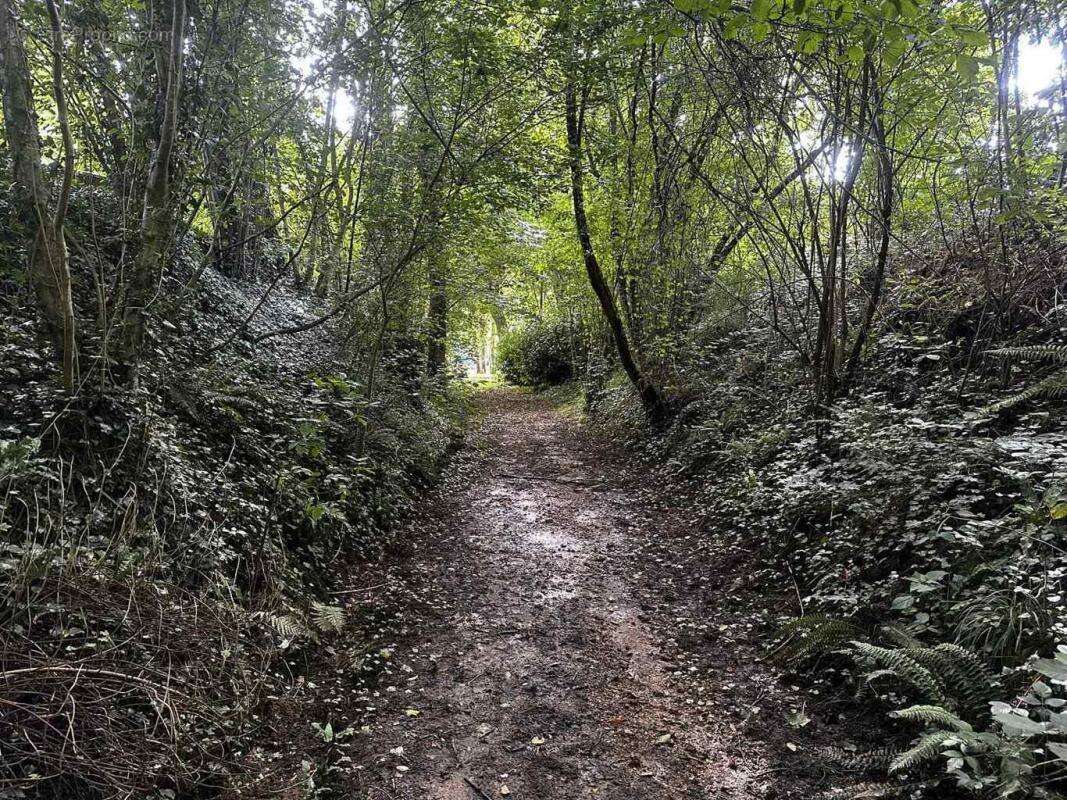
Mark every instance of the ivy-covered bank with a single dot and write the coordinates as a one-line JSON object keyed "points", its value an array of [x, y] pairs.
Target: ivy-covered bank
{"points": [[171, 553], [916, 532]]}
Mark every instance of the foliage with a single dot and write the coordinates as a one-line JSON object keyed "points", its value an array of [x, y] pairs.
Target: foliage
{"points": [[1051, 387], [796, 224], [537, 355]]}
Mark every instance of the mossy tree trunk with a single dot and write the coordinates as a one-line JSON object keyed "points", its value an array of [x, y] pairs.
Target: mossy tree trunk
{"points": [[48, 270], [652, 398]]}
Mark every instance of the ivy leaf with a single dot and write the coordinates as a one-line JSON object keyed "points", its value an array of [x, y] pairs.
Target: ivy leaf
{"points": [[1015, 724], [1051, 668], [1058, 749]]}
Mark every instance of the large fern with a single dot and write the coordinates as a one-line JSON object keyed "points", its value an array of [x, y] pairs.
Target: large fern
{"points": [[903, 666], [1051, 387], [971, 683]]}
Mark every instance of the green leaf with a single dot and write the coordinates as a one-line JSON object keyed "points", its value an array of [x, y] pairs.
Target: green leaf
{"points": [[690, 6], [844, 13], [972, 37], [1017, 725], [894, 49], [760, 31], [808, 42], [631, 37], [967, 66], [1058, 720], [909, 8], [1058, 749], [1051, 668], [735, 25], [1058, 511], [855, 54], [903, 602], [760, 9]]}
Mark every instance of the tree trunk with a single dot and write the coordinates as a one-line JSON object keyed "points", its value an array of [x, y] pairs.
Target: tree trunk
{"points": [[48, 270], [156, 217], [651, 397], [437, 317], [886, 182]]}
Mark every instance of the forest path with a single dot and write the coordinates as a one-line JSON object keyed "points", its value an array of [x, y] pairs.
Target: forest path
{"points": [[540, 671]]}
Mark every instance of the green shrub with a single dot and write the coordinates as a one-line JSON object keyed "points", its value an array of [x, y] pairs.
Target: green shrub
{"points": [[538, 354]]}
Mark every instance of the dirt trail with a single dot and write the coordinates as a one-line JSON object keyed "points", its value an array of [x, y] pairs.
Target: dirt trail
{"points": [[544, 671]]}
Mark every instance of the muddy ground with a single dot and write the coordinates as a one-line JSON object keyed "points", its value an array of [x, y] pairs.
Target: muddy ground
{"points": [[564, 626]]}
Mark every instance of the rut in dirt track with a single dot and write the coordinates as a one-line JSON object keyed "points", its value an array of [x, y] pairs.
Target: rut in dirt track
{"points": [[542, 677]]}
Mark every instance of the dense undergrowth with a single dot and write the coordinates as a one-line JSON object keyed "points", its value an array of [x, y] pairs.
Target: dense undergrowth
{"points": [[168, 552], [919, 524], [811, 255]]}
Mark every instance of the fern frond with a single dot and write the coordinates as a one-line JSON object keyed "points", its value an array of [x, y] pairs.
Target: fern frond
{"points": [[932, 715], [1054, 387], [900, 637], [798, 624], [927, 748], [869, 761], [863, 791], [814, 635], [873, 791], [974, 681], [287, 625], [1049, 353], [326, 617], [971, 683], [904, 667]]}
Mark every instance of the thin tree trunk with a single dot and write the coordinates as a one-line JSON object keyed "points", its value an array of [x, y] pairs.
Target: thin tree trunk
{"points": [[437, 315], [886, 179], [651, 397], [48, 270], [156, 217]]}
